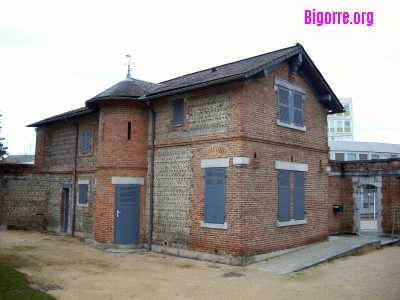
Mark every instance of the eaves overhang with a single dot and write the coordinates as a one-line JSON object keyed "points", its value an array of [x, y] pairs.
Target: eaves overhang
{"points": [[318, 85], [65, 117], [93, 103]]}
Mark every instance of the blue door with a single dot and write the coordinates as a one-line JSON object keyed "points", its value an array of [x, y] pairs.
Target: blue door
{"points": [[66, 201], [127, 212]]}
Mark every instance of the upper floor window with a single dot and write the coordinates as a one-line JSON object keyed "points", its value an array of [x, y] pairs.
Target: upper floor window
{"points": [[290, 107], [178, 112], [85, 141], [290, 104], [339, 126]]}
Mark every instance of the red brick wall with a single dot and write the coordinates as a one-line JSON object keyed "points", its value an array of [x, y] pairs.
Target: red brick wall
{"points": [[390, 200], [40, 146], [341, 193], [118, 156], [114, 147], [105, 200], [260, 114]]}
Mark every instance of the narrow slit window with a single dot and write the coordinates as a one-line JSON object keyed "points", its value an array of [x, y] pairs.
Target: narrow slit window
{"points": [[129, 130]]}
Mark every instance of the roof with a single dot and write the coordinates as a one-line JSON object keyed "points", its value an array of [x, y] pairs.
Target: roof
{"points": [[64, 116], [130, 88], [246, 68], [137, 90], [229, 70]]}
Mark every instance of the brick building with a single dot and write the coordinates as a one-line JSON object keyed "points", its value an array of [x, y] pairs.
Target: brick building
{"points": [[226, 164]]}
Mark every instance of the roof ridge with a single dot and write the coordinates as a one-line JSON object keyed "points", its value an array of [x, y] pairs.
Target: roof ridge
{"points": [[230, 63]]}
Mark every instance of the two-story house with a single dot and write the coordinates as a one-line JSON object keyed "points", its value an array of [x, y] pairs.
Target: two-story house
{"points": [[225, 164]]}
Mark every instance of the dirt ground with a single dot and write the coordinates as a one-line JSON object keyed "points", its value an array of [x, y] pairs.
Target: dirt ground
{"points": [[88, 273]]}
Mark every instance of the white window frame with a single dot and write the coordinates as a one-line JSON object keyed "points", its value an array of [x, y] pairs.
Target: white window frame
{"points": [[292, 88]]}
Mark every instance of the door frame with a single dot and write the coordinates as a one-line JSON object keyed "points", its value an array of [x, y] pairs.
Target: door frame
{"points": [[137, 213]]}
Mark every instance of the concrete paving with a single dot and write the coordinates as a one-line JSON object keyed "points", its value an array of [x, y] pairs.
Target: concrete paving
{"points": [[336, 247]]}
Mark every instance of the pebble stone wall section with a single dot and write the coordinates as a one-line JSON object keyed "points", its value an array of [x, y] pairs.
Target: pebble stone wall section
{"points": [[172, 188], [32, 201], [207, 115]]}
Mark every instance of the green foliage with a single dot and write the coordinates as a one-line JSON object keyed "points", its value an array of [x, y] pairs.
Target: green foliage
{"points": [[13, 285], [3, 149]]}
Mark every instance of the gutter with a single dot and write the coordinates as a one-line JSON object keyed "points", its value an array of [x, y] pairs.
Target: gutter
{"points": [[151, 187], [74, 182]]}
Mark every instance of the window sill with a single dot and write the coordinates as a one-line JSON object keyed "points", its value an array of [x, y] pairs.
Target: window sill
{"points": [[214, 225], [177, 125], [291, 125], [290, 223], [82, 205]]}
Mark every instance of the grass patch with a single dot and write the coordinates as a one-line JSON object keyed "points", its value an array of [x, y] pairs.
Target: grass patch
{"points": [[13, 285]]}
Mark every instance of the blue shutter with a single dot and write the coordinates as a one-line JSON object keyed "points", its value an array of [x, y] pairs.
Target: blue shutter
{"points": [[83, 191], [85, 141], [178, 112], [209, 196], [298, 195], [284, 195], [298, 113], [283, 105], [219, 198], [88, 138]]}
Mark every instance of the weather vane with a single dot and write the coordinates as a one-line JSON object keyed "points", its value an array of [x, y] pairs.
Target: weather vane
{"points": [[128, 76]]}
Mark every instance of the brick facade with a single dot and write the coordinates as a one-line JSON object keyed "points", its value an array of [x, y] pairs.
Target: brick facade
{"points": [[239, 120]]}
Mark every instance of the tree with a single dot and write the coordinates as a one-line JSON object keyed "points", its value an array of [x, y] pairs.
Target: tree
{"points": [[3, 149]]}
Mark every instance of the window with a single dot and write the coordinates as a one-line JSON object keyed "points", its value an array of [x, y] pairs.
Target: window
{"points": [[129, 130], [290, 107], [178, 112], [384, 156], [83, 193], [393, 155], [347, 126], [85, 141], [374, 156], [339, 156], [284, 193], [347, 108], [363, 156], [331, 126], [214, 195], [339, 126], [351, 156]]}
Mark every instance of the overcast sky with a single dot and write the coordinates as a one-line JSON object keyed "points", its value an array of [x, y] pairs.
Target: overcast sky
{"points": [[54, 55]]}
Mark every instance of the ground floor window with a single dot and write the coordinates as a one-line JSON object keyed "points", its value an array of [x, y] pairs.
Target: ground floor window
{"points": [[290, 192]]}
